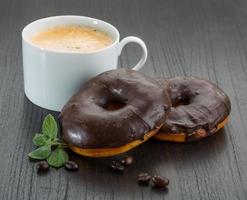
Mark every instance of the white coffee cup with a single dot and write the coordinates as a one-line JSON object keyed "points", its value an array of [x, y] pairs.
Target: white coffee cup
{"points": [[52, 77]]}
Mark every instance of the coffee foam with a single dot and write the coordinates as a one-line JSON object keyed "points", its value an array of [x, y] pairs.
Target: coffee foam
{"points": [[71, 38]]}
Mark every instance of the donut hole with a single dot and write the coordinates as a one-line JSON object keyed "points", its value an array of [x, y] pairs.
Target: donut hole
{"points": [[181, 101], [114, 105]]}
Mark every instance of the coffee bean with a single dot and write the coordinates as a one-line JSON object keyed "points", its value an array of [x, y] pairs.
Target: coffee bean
{"points": [[71, 166], [127, 160], [42, 167], [116, 166], [144, 178], [160, 182]]}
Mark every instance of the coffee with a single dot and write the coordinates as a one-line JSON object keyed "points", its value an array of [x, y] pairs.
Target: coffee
{"points": [[71, 38]]}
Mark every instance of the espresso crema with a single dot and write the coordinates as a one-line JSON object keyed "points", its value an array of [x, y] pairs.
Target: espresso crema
{"points": [[72, 38]]}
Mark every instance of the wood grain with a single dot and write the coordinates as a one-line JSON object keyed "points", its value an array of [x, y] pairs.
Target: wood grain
{"points": [[193, 37]]}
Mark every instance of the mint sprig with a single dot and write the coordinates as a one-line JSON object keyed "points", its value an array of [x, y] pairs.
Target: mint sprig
{"points": [[46, 141]]}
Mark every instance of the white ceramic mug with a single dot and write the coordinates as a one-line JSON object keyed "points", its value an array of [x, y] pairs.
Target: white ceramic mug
{"points": [[52, 77]]}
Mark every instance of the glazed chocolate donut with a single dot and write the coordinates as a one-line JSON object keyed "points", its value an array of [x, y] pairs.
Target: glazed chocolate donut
{"points": [[94, 126], [199, 109]]}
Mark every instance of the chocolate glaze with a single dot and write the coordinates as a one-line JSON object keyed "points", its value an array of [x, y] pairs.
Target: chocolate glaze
{"points": [[196, 104], [87, 123]]}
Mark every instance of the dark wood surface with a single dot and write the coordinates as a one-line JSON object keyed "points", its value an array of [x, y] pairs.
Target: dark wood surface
{"points": [[184, 37]]}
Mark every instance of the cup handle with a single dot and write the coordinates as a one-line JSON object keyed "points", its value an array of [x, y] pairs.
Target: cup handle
{"points": [[137, 40]]}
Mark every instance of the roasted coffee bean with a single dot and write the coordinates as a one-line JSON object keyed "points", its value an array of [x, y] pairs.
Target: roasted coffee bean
{"points": [[160, 182], [144, 178], [42, 167], [127, 160], [116, 166], [71, 166]]}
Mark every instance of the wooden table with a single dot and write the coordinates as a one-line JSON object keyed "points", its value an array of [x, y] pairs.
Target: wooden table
{"points": [[184, 37]]}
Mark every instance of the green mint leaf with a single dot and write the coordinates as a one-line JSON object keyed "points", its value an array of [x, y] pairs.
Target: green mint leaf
{"points": [[41, 153], [39, 140], [58, 157], [49, 127]]}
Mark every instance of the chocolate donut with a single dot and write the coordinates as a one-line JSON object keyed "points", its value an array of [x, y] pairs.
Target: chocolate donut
{"points": [[199, 109], [114, 112]]}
